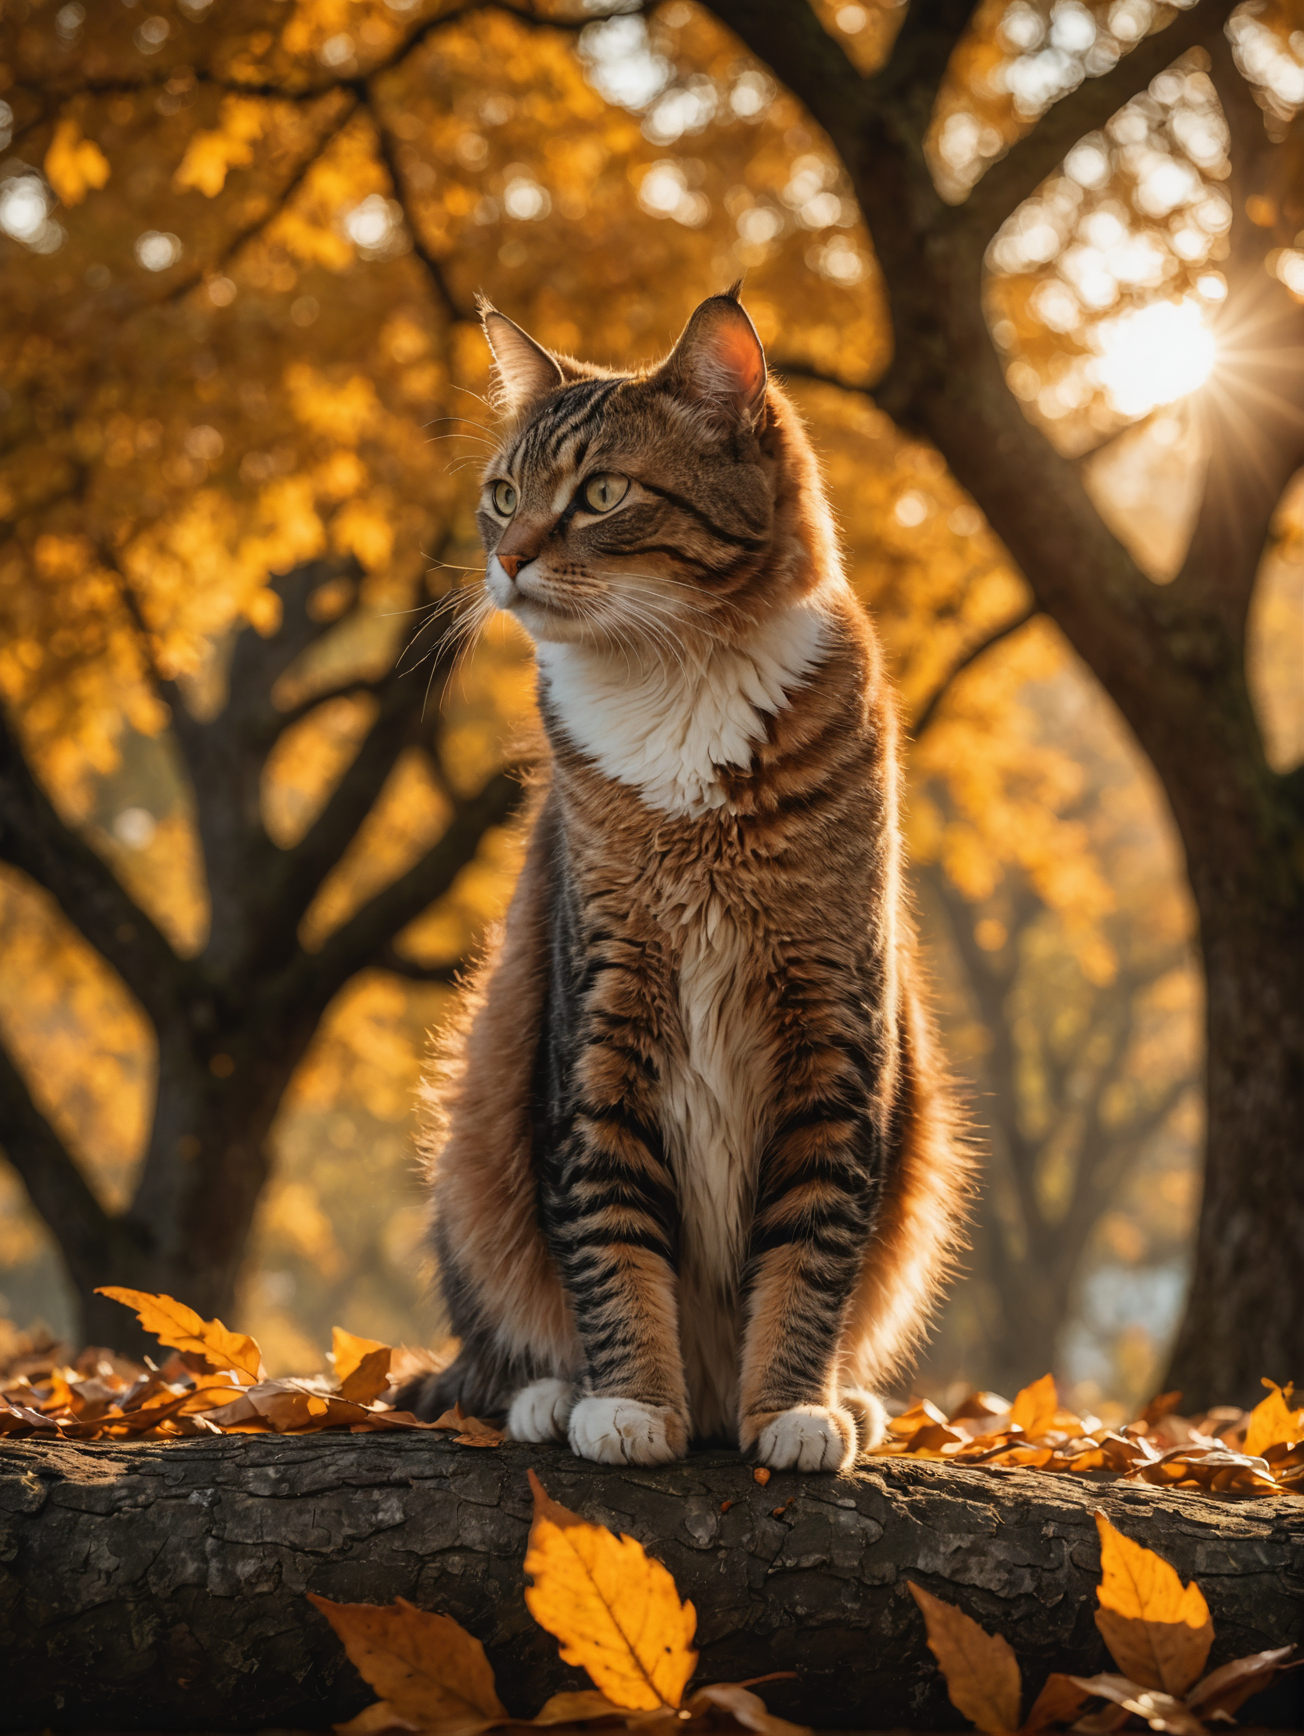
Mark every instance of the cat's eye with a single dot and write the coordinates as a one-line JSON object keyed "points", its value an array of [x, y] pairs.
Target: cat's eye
{"points": [[603, 492], [504, 498]]}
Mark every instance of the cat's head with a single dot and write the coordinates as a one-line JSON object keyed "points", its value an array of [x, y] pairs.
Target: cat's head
{"points": [[675, 503]]}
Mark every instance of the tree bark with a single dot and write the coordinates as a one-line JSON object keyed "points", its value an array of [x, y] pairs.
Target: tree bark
{"points": [[161, 1586]]}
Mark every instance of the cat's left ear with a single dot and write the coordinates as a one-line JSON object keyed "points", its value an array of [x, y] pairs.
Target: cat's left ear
{"points": [[523, 370], [719, 362]]}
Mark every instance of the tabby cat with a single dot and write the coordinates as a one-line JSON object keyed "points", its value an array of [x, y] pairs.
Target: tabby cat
{"points": [[694, 1166]]}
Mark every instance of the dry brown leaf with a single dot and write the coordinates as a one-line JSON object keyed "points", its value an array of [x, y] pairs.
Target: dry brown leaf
{"points": [[1161, 1711], [179, 1327], [614, 1609], [1034, 1409], [427, 1667], [744, 1708], [1224, 1690], [361, 1365], [1158, 1632], [1057, 1703], [982, 1673]]}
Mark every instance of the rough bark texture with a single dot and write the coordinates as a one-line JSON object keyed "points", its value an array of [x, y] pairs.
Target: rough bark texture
{"points": [[162, 1587]]}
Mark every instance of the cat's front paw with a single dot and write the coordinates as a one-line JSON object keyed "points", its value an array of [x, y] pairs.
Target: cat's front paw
{"points": [[540, 1411], [809, 1437], [622, 1431]]}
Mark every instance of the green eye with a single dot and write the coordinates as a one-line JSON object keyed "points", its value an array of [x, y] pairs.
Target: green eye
{"points": [[603, 492], [504, 498]]}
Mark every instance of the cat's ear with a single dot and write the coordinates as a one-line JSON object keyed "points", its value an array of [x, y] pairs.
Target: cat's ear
{"points": [[523, 370], [718, 361]]}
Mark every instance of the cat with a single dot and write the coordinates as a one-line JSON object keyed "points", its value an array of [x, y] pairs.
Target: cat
{"points": [[695, 1164]]}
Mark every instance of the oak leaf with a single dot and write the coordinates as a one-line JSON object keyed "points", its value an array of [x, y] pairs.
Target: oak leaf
{"points": [[615, 1610], [426, 1667], [982, 1673], [1157, 1630], [1034, 1409], [179, 1327], [361, 1365]]}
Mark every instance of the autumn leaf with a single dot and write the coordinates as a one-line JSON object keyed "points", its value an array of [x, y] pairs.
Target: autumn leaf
{"points": [[982, 1673], [179, 1327], [581, 1706], [1056, 1704], [1161, 1711], [1226, 1689], [1273, 1423], [615, 1610], [1158, 1631], [209, 155], [744, 1708], [374, 1720], [426, 1667], [73, 164], [361, 1365], [1035, 1407]]}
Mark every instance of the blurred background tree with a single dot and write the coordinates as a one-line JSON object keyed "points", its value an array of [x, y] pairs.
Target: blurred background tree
{"points": [[248, 825]]}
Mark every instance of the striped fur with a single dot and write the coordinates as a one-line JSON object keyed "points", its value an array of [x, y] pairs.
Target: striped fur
{"points": [[693, 1156]]}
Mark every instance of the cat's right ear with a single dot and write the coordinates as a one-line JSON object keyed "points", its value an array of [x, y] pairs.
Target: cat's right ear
{"points": [[523, 370], [719, 362]]}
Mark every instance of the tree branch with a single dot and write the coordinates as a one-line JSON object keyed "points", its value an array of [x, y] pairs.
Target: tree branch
{"points": [[358, 941], [433, 267], [400, 965], [54, 1183], [1017, 175], [930, 710], [35, 839]]}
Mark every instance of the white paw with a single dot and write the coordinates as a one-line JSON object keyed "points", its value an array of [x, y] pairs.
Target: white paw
{"points": [[621, 1431], [540, 1411], [806, 1438]]}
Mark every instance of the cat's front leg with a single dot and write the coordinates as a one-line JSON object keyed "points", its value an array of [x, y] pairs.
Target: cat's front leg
{"points": [[818, 1184], [611, 1214]]}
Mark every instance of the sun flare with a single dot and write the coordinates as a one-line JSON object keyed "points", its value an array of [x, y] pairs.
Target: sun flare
{"points": [[1154, 356]]}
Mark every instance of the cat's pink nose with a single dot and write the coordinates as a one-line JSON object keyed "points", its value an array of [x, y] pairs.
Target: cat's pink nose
{"points": [[512, 564]]}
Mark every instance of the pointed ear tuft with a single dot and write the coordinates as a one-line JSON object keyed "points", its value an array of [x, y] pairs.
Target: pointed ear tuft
{"points": [[719, 362], [523, 370], [735, 290]]}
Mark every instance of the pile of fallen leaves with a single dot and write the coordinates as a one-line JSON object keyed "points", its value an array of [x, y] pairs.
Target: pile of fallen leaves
{"points": [[1226, 1451], [214, 1384], [618, 1615]]}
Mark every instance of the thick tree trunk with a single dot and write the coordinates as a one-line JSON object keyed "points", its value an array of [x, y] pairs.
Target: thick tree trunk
{"points": [[162, 1586]]}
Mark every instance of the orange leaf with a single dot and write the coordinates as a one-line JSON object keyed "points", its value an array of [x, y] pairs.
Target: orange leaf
{"points": [[1035, 1407], [982, 1673], [1158, 1631], [761, 1475], [614, 1609], [427, 1667], [361, 1366], [374, 1720], [173, 1324], [1160, 1711], [1273, 1423]]}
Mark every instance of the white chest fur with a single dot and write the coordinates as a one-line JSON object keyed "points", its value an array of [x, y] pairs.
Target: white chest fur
{"points": [[663, 725]]}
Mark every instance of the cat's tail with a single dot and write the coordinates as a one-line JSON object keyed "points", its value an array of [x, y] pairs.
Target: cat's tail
{"points": [[920, 1231]]}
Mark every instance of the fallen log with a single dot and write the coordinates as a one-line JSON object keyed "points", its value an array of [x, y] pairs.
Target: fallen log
{"points": [[160, 1585]]}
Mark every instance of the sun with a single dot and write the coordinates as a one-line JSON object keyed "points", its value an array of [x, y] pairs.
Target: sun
{"points": [[1153, 356]]}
